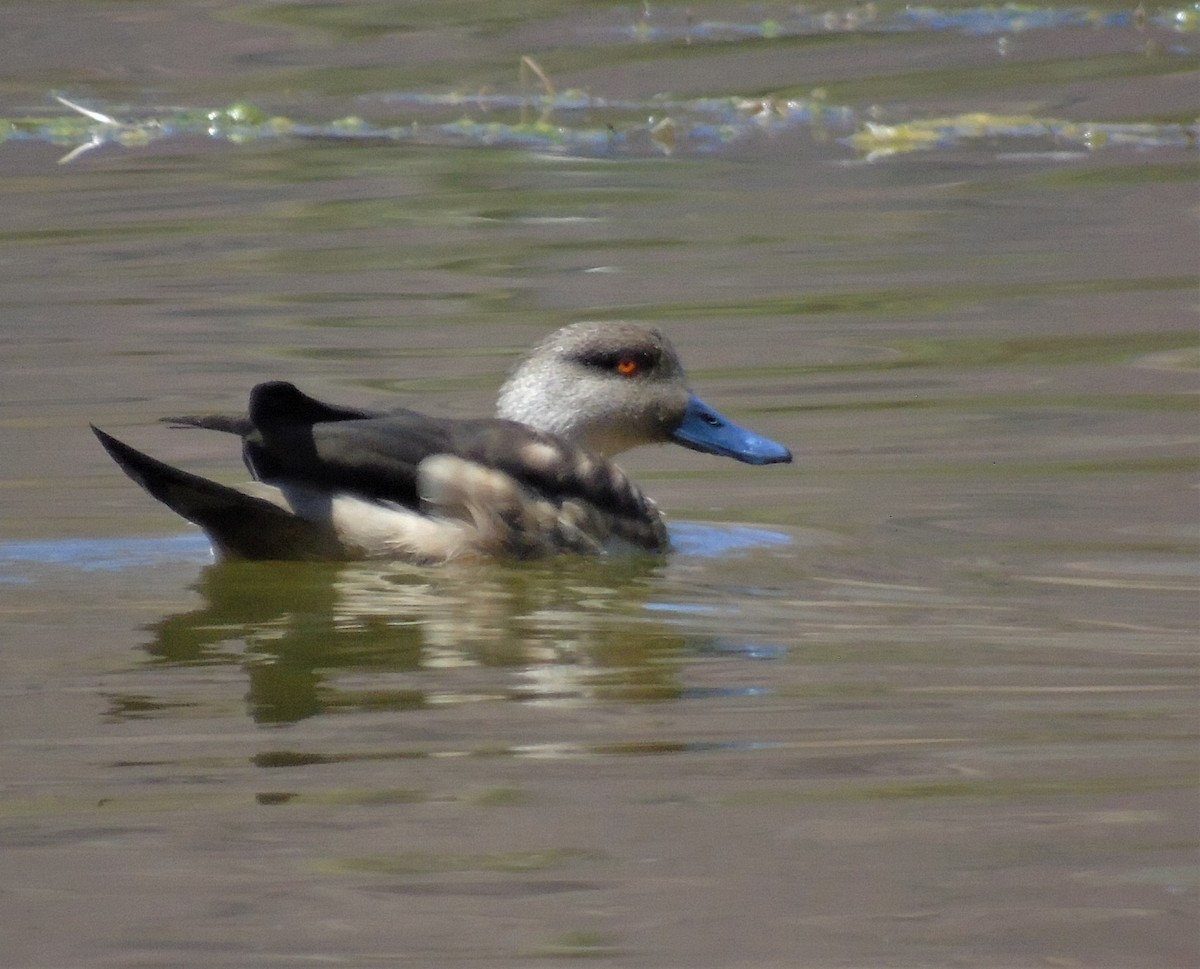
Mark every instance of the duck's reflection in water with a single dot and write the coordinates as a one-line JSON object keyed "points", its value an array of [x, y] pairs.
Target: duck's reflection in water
{"points": [[320, 638]]}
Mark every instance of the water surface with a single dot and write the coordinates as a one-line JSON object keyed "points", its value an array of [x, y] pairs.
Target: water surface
{"points": [[925, 697]]}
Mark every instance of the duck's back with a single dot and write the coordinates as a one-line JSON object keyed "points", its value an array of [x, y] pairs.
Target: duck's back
{"points": [[517, 491]]}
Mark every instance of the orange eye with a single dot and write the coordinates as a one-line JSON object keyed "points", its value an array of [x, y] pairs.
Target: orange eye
{"points": [[628, 366]]}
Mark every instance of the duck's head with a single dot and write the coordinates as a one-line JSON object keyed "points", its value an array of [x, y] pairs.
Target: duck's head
{"points": [[612, 386]]}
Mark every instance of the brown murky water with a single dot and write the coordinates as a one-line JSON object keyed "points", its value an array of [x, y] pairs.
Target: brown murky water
{"points": [[926, 697]]}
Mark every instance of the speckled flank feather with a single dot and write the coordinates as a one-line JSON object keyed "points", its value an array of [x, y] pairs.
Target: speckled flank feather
{"points": [[511, 519], [470, 511]]}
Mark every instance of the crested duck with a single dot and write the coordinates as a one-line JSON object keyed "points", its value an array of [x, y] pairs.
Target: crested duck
{"points": [[336, 483]]}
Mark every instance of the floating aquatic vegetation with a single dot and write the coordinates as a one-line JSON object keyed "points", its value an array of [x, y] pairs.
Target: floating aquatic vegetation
{"points": [[88, 128], [576, 124], [878, 140], [548, 123], [540, 118]]}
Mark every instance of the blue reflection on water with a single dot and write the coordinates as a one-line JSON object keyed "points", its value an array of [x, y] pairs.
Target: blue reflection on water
{"points": [[722, 692], [724, 647], [101, 554], [116, 554], [712, 541]]}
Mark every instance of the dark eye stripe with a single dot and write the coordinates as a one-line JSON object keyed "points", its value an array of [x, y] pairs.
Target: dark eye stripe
{"points": [[609, 360]]}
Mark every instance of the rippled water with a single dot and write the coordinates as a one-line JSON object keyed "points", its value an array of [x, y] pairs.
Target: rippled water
{"points": [[925, 697]]}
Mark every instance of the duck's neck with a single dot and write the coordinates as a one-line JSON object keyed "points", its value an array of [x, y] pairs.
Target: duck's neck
{"points": [[559, 411]]}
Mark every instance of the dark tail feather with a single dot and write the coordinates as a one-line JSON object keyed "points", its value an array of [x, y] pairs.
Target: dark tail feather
{"points": [[275, 402], [279, 402], [240, 426], [239, 525]]}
